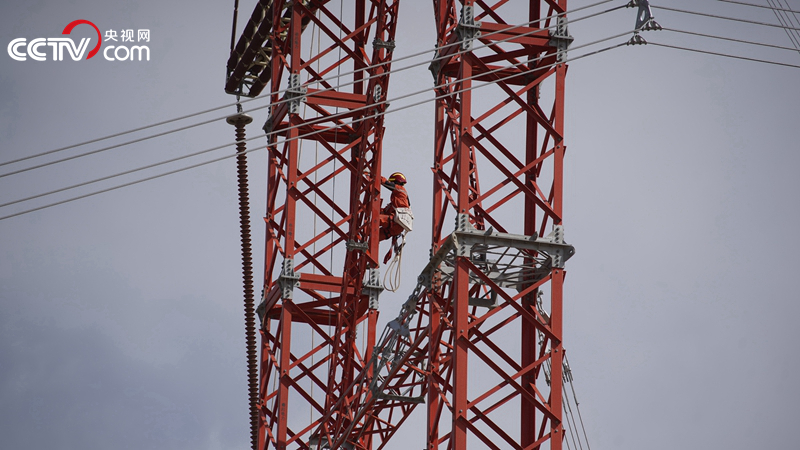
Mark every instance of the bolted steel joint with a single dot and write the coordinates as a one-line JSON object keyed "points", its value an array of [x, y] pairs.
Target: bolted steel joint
{"points": [[468, 29], [373, 288], [288, 279], [380, 43], [296, 93], [560, 39]]}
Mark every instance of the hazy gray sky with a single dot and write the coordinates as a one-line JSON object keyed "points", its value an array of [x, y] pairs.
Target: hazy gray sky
{"points": [[120, 315]]}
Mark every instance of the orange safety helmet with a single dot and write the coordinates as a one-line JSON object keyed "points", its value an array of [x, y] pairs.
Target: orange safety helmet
{"points": [[398, 178]]}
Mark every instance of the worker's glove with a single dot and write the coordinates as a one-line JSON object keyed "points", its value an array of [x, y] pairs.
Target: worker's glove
{"points": [[388, 255], [398, 246]]}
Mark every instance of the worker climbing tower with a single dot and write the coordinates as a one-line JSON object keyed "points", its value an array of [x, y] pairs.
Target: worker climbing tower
{"points": [[326, 68], [478, 341]]}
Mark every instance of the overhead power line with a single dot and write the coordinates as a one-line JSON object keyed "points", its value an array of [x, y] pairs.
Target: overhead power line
{"points": [[313, 82], [122, 133], [796, 66], [113, 188], [786, 21], [693, 33], [758, 6], [744, 41], [575, 398], [117, 175], [406, 96], [111, 147], [339, 86], [754, 22], [316, 121], [171, 172]]}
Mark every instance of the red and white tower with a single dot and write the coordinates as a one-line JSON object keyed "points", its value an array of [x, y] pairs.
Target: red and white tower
{"points": [[479, 340]]}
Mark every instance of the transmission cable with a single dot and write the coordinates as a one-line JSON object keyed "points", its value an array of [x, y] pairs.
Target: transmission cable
{"points": [[792, 36], [566, 379], [320, 119], [153, 177], [289, 139], [571, 383], [757, 6], [285, 100], [729, 39], [337, 116], [312, 82], [336, 126], [570, 419], [110, 136], [577, 405], [796, 66], [794, 13], [111, 147], [722, 17], [785, 22], [128, 172]]}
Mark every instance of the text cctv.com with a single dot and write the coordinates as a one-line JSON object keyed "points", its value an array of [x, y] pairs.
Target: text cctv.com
{"points": [[20, 49]]}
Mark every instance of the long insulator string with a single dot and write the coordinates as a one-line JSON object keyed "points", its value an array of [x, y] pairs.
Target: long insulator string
{"points": [[239, 121]]}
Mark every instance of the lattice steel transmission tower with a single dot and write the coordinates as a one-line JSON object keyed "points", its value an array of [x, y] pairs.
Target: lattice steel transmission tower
{"points": [[479, 340]]}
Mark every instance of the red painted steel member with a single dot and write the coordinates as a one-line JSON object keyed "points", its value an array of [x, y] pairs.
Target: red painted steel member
{"points": [[388, 227]]}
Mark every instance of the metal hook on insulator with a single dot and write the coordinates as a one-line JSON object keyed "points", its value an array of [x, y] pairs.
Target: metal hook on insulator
{"points": [[239, 120]]}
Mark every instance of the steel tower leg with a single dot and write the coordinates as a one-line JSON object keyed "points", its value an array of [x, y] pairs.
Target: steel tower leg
{"points": [[318, 310], [490, 364]]}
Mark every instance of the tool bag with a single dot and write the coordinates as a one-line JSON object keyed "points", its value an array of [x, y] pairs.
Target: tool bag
{"points": [[404, 217]]}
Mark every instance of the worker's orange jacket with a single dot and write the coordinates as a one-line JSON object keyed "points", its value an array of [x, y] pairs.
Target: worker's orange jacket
{"points": [[399, 197]]}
